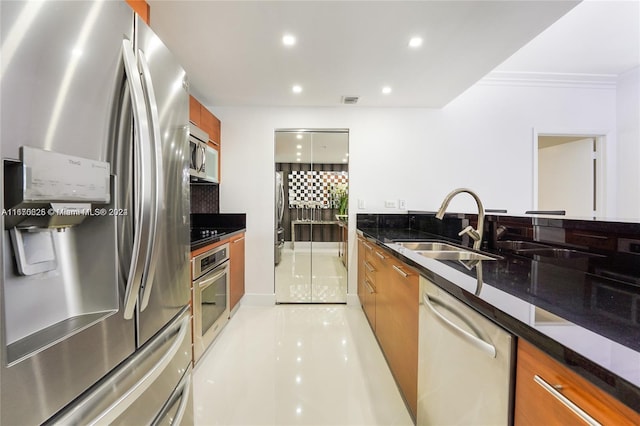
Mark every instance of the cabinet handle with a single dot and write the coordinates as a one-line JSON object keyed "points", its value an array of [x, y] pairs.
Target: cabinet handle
{"points": [[367, 246], [595, 237], [380, 255], [369, 287], [369, 267], [400, 271], [566, 401], [239, 239]]}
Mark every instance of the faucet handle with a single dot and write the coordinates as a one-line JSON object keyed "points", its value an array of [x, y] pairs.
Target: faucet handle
{"points": [[472, 233]]}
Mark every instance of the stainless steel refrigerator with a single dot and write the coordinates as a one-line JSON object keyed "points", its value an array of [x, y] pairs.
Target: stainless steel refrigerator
{"points": [[95, 243]]}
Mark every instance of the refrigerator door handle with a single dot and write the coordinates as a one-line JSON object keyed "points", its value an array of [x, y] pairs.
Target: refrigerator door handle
{"points": [[157, 175], [120, 405], [142, 158]]}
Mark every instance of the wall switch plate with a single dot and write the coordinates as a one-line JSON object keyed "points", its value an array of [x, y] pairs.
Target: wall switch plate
{"points": [[361, 204], [402, 205], [390, 204]]}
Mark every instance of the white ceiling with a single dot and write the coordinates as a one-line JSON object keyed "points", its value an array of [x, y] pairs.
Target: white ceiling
{"points": [[233, 54], [596, 37]]}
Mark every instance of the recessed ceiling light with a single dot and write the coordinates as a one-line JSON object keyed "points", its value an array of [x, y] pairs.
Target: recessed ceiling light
{"points": [[298, 154], [299, 146], [299, 136], [344, 160], [296, 89], [386, 90], [288, 40], [415, 42], [298, 159]]}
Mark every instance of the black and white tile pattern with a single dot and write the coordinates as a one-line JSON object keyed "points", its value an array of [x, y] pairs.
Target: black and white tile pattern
{"points": [[309, 187]]}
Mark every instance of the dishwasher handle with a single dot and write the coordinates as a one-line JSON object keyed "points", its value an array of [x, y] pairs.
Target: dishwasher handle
{"points": [[475, 341]]}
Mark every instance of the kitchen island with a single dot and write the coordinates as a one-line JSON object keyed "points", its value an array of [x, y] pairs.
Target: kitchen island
{"points": [[578, 310]]}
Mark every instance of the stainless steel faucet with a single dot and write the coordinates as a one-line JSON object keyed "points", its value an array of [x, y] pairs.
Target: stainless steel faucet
{"points": [[476, 234]]}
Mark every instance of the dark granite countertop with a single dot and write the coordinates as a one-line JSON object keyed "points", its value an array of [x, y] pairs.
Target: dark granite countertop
{"points": [[589, 321], [221, 226], [223, 234]]}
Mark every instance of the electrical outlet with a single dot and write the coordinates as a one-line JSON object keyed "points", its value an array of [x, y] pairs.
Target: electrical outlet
{"points": [[390, 204], [361, 204], [402, 205]]}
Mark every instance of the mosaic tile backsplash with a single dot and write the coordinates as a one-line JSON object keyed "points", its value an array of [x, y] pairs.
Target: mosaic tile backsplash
{"points": [[205, 199]]}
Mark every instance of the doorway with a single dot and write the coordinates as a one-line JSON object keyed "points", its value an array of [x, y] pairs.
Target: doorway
{"points": [[311, 222], [569, 174]]}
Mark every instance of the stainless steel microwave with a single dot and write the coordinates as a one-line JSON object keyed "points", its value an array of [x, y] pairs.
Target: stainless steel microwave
{"points": [[203, 163]]}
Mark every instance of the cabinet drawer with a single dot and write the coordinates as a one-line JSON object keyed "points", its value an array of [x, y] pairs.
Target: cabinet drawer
{"points": [[548, 393]]}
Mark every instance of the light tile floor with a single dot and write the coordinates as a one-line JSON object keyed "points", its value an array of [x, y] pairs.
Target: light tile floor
{"points": [[296, 365], [311, 275]]}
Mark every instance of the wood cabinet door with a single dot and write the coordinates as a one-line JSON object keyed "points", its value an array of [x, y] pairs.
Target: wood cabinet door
{"points": [[194, 111], [363, 247], [361, 257], [216, 128], [206, 121], [370, 301], [381, 262], [548, 393], [402, 350], [236, 267]]}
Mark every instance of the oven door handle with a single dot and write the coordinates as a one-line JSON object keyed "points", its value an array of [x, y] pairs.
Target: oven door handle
{"points": [[208, 281]]}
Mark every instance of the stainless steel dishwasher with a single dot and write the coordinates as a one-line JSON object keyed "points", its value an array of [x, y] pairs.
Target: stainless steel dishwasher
{"points": [[465, 364]]}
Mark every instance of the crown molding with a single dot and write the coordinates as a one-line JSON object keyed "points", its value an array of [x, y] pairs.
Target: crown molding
{"points": [[548, 79]]}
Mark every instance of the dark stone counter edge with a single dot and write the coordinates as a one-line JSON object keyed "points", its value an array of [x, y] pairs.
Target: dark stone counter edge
{"points": [[228, 234], [611, 383]]}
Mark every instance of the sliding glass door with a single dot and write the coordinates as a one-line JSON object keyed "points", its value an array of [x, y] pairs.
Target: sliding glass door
{"points": [[311, 174]]}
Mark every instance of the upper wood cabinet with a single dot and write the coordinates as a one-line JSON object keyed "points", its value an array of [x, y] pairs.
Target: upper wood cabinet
{"points": [[211, 125], [548, 393], [194, 111], [203, 118], [141, 8]]}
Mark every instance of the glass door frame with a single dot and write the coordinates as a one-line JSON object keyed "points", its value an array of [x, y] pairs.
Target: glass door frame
{"points": [[320, 213]]}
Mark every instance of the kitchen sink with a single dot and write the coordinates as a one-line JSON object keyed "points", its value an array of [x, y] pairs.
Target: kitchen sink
{"points": [[430, 246], [453, 255], [443, 251]]}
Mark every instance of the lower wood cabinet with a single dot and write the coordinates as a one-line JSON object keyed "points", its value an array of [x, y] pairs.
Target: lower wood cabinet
{"points": [[548, 393], [389, 292], [401, 328], [236, 267]]}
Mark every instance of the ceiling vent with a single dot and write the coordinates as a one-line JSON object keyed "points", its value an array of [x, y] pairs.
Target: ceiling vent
{"points": [[350, 100]]}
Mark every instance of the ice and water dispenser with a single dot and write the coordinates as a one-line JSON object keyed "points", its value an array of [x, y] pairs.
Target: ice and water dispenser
{"points": [[60, 270]]}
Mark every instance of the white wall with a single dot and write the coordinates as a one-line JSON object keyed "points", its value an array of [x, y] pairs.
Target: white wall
{"points": [[481, 140], [628, 117]]}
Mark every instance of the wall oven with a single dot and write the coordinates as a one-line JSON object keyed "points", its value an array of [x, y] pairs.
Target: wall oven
{"points": [[210, 297]]}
